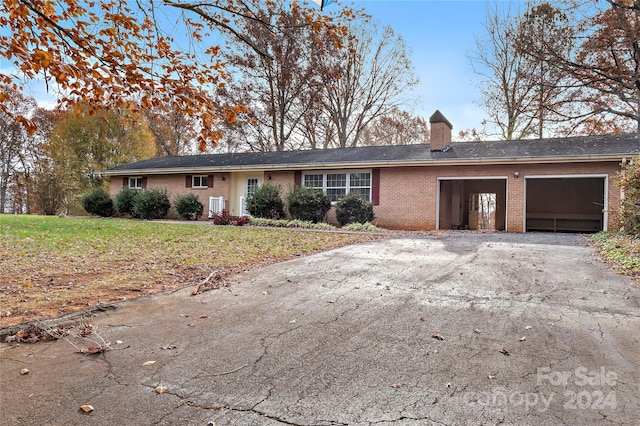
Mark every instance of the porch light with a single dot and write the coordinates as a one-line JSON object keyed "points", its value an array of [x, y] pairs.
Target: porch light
{"points": [[222, 177], [516, 175]]}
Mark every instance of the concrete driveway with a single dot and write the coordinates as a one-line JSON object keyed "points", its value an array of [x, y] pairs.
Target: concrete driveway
{"points": [[459, 328]]}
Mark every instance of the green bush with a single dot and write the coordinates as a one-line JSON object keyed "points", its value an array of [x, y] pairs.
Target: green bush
{"points": [[98, 202], [629, 213], [308, 204], [151, 204], [188, 207], [266, 203], [124, 200], [256, 221], [352, 208]]}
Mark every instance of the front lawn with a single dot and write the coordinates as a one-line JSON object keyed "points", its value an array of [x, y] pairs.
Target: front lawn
{"points": [[52, 265]]}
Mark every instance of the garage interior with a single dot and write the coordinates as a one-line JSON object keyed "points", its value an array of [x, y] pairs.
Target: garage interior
{"points": [[573, 204], [473, 204]]}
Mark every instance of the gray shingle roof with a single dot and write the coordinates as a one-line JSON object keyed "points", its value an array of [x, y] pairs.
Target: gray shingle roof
{"points": [[576, 148]]}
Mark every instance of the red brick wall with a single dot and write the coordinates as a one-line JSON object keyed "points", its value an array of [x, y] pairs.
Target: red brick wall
{"points": [[176, 185], [408, 194]]}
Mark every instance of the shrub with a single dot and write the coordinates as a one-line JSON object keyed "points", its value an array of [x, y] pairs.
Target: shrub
{"points": [[352, 208], [242, 221], [362, 227], [124, 200], [98, 202], [222, 218], [308, 204], [151, 204], [291, 224], [266, 203], [188, 207], [225, 218], [629, 213]]}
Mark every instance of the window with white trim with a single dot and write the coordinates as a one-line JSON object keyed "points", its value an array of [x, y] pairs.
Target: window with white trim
{"points": [[135, 182], [339, 183], [199, 181]]}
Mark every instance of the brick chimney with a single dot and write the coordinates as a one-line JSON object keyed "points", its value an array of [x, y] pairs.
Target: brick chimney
{"points": [[440, 132]]}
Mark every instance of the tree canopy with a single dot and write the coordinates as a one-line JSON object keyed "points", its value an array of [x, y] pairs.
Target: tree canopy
{"points": [[561, 67], [110, 53]]}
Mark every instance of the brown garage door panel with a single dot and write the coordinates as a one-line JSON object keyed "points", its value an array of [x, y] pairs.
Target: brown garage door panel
{"points": [[565, 204]]}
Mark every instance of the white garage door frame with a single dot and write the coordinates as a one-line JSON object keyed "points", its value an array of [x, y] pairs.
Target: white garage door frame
{"points": [[440, 179], [605, 209]]}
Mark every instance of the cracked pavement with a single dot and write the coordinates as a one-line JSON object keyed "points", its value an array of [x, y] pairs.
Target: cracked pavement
{"points": [[533, 330]]}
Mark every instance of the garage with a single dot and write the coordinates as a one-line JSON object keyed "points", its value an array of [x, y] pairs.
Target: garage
{"points": [[478, 203], [566, 203]]}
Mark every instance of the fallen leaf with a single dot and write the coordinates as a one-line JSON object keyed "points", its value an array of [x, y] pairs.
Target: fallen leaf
{"points": [[86, 408], [528, 327], [491, 377], [161, 389], [505, 352], [204, 316], [168, 347], [119, 342], [475, 330], [397, 385], [24, 371], [193, 324], [149, 363], [523, 338], [438, 336]]}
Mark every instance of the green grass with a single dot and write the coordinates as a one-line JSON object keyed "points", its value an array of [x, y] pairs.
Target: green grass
{"points": [[53, 265], [620, 250]]}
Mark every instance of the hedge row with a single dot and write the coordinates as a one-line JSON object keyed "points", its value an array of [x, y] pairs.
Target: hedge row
{"points": [[146, 204]]}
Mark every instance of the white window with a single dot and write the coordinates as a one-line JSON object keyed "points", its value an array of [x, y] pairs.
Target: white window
{"points": [[252, 186], [338, 183], [199, 181], [135, 182]]}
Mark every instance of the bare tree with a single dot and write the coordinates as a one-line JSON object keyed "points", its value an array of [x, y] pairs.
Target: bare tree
{"points": [[518, 89], [603, 62], [365, 80], [273, 78], [13, 141], [174, 132], [398, 127]]}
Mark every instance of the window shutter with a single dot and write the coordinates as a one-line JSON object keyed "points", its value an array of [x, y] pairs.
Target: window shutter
{"points": [[188, 182], [144, 182], [125, 181], [210, 181], [297, 179], [375, 187]]}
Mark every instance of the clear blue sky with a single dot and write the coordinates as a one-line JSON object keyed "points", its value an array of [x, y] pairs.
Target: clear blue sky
{"points": [[440, 35]]}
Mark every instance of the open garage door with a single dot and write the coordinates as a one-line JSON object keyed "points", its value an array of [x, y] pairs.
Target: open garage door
{"points": [[566, 204], [472, 203]]}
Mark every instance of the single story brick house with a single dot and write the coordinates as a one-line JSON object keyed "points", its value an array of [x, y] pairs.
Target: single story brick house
{"points": [[562, 184]]}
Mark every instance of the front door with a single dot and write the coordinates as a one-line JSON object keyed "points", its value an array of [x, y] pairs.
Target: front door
{"points": [[250, 187]]}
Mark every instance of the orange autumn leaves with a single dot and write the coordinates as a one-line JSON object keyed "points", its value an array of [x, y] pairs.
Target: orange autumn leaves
{"points": [[109, 53]]}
